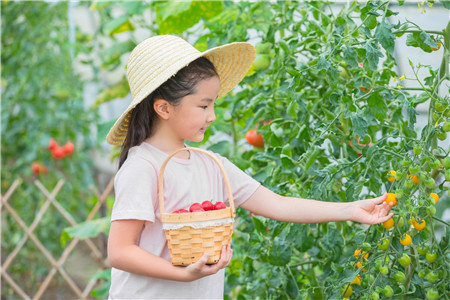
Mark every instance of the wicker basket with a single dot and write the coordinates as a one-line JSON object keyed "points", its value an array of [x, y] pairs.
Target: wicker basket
{"points": [[187, 244]]}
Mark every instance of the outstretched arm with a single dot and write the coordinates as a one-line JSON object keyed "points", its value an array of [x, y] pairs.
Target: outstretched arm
{"points": [[266, 203]]}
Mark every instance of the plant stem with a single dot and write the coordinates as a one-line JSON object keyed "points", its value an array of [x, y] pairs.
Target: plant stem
{"points": [[413, 31]]}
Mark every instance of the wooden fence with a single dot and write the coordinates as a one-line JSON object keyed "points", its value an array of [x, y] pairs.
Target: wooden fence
{"points": [[56, 263]]}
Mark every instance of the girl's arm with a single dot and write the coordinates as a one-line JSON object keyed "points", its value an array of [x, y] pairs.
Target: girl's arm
{"points": [[125, 254], [266, 203]]}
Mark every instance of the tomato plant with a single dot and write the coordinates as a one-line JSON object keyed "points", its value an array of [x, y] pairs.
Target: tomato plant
{"points": [[339, 124]]}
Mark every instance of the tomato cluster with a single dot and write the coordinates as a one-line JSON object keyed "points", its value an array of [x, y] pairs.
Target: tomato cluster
{"points": [[204, 206], [407, 252], [59, 152]]}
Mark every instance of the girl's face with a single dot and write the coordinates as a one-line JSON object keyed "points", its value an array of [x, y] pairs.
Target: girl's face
{"points": [[195, 113]]}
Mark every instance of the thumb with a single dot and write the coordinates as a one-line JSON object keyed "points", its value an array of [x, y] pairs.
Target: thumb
{"points": [[204, 259]]}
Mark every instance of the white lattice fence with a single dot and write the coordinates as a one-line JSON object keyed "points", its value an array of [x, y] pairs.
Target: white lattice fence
{"points": [[56, 263]]}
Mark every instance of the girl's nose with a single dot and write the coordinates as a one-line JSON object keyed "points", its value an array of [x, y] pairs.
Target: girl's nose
{"points": [[212, 116]]}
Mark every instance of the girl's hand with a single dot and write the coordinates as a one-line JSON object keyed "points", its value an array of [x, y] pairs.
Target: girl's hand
{"points": [[200, 269], [370, 211]]}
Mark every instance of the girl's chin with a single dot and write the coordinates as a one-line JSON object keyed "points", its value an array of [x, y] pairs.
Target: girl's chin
{"points": [[197, 139]]}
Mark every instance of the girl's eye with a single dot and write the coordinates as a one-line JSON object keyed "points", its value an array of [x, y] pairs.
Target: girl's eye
{"points": [[204, 107]]}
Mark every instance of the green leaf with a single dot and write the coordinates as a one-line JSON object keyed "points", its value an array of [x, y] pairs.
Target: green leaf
{"points": [[118, 25], [103, 130], [426, 38], [385, 36], [359, 123], [86, 230], [111, 56], [369, 16], [174, 17], [415, 39], [280, 253], [377, 106], [259, 225], [221, 147], [373, 55], [133, 7], [351, 56], [445, 3], [323, 63], [119, 90]]}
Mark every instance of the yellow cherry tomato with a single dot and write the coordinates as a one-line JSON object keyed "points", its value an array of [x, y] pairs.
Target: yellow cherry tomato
{"points": [[357, 280], [391, 175], [391, 199], [359, 265], [435, 196], [361, 254], [405, 240], [388, 224], [419, 224]]}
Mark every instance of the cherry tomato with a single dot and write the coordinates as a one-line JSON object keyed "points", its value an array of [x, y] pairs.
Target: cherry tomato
{"points": [[435, 164], [419, 224], [435, 197], [383, 270], [432, 294], [366, 247], [413, 169], [431, 257], [399, 175], [383, 244], [417, 150], [431, 210], [447, 175], [255, 139], [422, 249], [446, 162], [432, 276], [388, 224], [347, 291], [400, 277], [361, 254], [375, 296], [391, 199], [404, 260], [430, 183], [388, 291], [422, 273], [406, 162], [399, 194], [405, 240], [408, 184]]}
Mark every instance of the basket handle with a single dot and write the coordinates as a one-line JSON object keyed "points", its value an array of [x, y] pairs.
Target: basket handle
{"points": [[161, 177]]}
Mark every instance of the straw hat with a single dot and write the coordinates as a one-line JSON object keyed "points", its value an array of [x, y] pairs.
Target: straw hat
{"points": [[158, 58]]}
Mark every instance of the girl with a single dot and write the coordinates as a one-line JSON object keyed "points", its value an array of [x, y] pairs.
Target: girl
{"points": [[174, 88]]}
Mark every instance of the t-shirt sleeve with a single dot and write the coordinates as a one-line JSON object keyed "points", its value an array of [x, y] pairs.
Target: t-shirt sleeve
{"points": [[242, 184], [135, 191]]}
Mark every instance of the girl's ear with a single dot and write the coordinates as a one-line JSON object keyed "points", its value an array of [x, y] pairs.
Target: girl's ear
{"points": [[162, 108]]}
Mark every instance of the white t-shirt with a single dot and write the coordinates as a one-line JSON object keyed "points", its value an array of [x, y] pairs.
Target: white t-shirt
{"points": [[186, 181]]}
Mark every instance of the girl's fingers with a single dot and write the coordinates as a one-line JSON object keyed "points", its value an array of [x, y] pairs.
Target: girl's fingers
{"points": [[380, 199], [385, 218]]}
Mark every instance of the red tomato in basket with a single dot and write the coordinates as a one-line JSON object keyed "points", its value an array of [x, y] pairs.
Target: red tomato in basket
{"points": [[219, 205], [207, 205], [196, 207], [180, 211]]}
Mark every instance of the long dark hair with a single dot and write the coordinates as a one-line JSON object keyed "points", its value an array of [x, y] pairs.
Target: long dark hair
{"points": [[183, 83]]}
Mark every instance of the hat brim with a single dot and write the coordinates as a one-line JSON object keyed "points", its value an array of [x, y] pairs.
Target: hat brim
{"points": [[232, 62]]}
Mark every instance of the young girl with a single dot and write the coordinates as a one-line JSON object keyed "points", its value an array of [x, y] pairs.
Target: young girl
{"points": [[174, 88]]}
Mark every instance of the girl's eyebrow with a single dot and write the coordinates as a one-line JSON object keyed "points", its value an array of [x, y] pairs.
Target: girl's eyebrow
{"points": [[207, 100]]}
